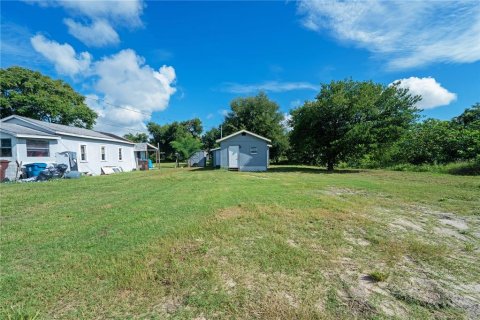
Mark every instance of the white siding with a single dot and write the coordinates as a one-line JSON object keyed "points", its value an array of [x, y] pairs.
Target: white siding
{"points": [[94, 162], [67, 143]]}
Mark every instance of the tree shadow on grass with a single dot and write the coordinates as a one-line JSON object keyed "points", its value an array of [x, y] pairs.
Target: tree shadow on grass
{"points": [[207, 168], [471, 169], [297, 169]]}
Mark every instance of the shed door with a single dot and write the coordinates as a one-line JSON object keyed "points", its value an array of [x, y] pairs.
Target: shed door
{"points": [[233, 152]]}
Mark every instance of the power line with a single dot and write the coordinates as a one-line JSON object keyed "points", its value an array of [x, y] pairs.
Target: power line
{"points": [[114, 125]]}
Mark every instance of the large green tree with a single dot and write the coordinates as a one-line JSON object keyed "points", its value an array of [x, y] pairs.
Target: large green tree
{"points": [[165, 134], [430, 141], [186, 146], [29, 93], [470, 118], [438, 141], [348, 119], [259, 115]]}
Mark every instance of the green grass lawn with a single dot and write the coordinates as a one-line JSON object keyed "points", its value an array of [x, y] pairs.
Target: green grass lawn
{"points": [[292, 243]]}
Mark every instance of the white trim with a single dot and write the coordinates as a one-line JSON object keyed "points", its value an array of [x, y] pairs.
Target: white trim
{"points": [[215, 149], [253, 168], [93, 138], [27, 136], [241, 131]]}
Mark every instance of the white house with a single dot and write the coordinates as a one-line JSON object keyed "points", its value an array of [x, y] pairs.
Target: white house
{"points": [[28, 141]]}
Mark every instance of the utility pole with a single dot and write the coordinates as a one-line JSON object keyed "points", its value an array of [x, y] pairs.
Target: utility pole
{"points": [[158, 155], [221, 131]]}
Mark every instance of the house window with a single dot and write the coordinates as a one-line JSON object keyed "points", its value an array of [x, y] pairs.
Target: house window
{"points": [[253, 150], [38, 148], [120, 155], [102, 153], [83, 152], [6, 148]]}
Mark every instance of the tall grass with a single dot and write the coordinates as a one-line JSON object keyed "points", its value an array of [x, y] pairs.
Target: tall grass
{"points": [[456, 168]]}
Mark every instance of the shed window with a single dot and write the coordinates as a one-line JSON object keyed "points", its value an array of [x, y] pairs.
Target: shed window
{"points": [[83, 152], [6, 148], [38, 148], [253, 150], [102, 153], [120, 155]]}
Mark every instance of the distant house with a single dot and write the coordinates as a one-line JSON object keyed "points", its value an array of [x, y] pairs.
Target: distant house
{"points": [[30, 141], [242, 151]]}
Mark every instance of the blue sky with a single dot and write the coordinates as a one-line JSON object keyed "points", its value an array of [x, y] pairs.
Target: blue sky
{"points": [[165, 61]]}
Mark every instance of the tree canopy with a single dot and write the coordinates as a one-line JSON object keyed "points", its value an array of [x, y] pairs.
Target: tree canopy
{"points": [[470, 118], [348, 119], [186, 145], [136, 137], [259, 115], [29, 93], [165, 134], [209, 138]]}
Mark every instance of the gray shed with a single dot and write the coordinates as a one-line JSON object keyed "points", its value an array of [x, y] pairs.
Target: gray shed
{"points": [[198, 159], [243, 151], [216, 157]]}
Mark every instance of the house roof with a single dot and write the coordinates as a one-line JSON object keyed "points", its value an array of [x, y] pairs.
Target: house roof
{"points": [[24, 132], [144, 146], [244, 131], [61, 129]]}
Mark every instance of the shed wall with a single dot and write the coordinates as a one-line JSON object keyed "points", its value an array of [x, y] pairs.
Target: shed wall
{"points": [[247, 160]]}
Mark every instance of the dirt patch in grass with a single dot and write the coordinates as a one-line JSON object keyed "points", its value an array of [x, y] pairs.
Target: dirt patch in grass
{"points": [[337, 191], [357, 241], [407, 225], [233, 213]]}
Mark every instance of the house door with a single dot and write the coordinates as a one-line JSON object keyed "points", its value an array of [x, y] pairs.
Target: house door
{"points": [[233, 152]]}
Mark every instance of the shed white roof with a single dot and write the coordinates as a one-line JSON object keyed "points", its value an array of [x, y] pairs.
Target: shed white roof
{"points": [[244, 131]]}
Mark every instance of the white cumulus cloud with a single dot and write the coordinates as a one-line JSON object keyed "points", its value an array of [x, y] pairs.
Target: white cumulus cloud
{"points": [[406, 33], [131, 89], [63, 56], [127, 90], [99, 33], [99, 18], [126, 79], [432, 93]]}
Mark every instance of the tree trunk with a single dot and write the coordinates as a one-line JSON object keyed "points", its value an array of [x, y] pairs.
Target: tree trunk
{"points": [[330, 165]]}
